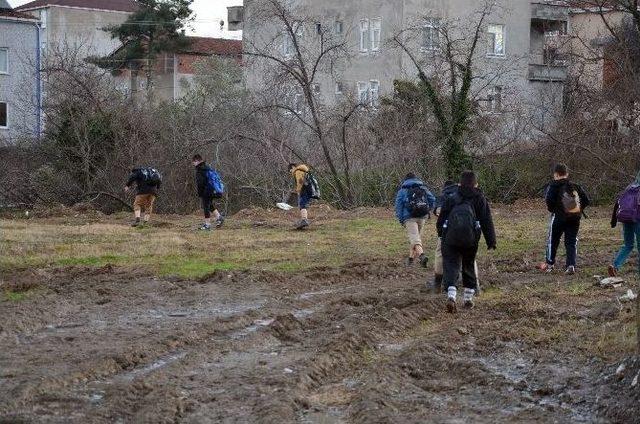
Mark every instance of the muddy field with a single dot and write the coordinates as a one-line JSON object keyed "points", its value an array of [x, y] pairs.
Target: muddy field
{"points": [[363, 342]]}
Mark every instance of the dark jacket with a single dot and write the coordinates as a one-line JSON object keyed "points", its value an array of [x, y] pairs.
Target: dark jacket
{"points": [[554, 197], [142, 186], [446, 192], [201, 179], [402, 211], [614, 217], [476, 198]]}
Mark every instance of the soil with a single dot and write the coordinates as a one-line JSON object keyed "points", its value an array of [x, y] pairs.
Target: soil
{"points": [[366, 343]]}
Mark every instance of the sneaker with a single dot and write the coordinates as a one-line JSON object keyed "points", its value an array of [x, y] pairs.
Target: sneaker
{"points": [[452, 308], [136, 223], [547, 268], [219, 221], [205, 227], [570, 270], [304, 223], [468, 298], [410, 261], [612, 271], [423, 260]]}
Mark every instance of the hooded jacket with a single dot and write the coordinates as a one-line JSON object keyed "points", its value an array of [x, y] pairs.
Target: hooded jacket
{"points": [[446, 192], [142, 186], [402, 210], [299, 173], [476, 199], [616, 206], [554, 200], [201, 178]]}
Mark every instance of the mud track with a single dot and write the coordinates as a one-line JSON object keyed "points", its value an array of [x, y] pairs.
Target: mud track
{"points": [[362, 344]]}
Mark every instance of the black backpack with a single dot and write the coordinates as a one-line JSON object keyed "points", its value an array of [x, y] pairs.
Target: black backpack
{"points": [[311, 185], [462, 228], [418, 201], [151, 176]]}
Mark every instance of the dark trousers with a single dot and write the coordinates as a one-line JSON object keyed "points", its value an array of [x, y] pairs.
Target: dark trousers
{"points": [[557, 228], [207, 206], [455, 258]]}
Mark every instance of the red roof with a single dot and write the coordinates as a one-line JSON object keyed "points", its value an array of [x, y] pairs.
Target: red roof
{"points": [[9, 13], [214, 46], [115, 5]]}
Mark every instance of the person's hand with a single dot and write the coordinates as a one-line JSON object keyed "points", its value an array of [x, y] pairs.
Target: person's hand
{"points": [[126, 189]]}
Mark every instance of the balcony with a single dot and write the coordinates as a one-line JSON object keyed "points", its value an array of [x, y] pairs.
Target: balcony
{"points": [[549, 11], [547, 73]]}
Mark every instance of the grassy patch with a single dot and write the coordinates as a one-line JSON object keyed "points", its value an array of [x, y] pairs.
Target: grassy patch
{"points": [[12, 296], [93, 261]]}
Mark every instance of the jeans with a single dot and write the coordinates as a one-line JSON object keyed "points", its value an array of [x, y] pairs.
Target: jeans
{"points": [[558, 227], [631, 234]]}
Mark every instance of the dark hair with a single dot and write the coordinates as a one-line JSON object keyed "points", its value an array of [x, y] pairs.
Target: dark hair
{"points": [[410, 176], [292, 165], [561, 169], [449, 183], [196, 157], [468, 179]]}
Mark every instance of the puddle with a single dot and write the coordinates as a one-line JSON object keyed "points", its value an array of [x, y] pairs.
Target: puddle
{"points": [[159, 363]]}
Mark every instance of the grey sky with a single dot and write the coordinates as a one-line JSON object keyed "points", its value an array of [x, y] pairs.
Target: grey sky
{"points": [[208, 14]]}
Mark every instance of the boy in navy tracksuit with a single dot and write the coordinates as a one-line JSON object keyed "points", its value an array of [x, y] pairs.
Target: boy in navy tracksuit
{"points": [[205, 195], [563, 222]]}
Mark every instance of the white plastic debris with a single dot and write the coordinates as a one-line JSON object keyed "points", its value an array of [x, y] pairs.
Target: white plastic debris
{"points": [[288, 370], [620, 370], [611, 282], [634, 383], [628, 296]]}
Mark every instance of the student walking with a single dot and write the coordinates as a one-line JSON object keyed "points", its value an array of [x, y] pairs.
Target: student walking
{"points": [[306, 188], [210, 187], [449, 189], [627, 211], [566, 201], [465, 215], [414, 202], [148, 182]]}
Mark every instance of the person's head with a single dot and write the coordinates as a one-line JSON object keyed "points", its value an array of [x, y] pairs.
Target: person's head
{"points": [[468, 179], [292, 166], [448, 183], [410, 176], [196, 160], [560, 171]]}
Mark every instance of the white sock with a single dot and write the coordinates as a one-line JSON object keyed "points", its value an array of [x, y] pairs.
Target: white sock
{"points": [[452, 293], [468, 294]]}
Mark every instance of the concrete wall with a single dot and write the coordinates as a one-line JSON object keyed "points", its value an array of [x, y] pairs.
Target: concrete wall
{"points": [[79, 29], [19, 88]]}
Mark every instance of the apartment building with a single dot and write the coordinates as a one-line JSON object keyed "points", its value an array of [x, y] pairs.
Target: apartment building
{"points": [[518, 66], [77, 25], [20, 97]]}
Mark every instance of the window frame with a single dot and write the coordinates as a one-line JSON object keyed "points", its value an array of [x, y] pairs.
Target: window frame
{"points": [[339, 88], [287, 42], [433, 25], [6, 105], [364, 35], [362, 87], [374, 101], [375, 43], [338, 27], [496, 99], [492, 52], [7, 71]]}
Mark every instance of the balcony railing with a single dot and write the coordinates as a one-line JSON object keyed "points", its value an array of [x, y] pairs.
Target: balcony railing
{"points": [[547, 73], [549, 11]]}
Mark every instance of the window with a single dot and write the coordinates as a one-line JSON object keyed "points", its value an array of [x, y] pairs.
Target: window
{"points": [[288, 48], [495, 100], [4, 61], [338, 27], [339, 87], [496, 40], [4, 115], [374, 93], [318, 28], [363, 93], [431, 34], [43, 18], [315, 88], [364, 35], [376, 30]]}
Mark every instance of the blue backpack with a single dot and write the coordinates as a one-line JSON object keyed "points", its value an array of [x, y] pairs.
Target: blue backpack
{"points": [[215, 186]]}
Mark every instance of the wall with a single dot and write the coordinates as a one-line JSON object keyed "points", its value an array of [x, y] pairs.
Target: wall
{"points": [[20, 88]]}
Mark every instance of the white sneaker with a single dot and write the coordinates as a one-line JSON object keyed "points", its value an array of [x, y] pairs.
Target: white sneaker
{"points": [[452, 293], [570, 270], [467, 297]]}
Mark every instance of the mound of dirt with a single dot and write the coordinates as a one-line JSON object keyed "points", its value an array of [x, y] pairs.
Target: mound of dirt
{"points": [[622, 407]]}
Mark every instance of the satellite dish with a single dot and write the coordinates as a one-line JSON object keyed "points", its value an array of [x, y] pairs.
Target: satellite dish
{"points": [[221, 25]]}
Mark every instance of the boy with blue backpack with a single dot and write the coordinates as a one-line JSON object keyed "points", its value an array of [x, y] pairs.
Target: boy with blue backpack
{"points": [[210, 187], [627, 211], [414, 203]]}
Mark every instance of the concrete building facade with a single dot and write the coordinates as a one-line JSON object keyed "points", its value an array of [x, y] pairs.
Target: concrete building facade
{"points": [[516, 68], [20, 88], [77, 25]]}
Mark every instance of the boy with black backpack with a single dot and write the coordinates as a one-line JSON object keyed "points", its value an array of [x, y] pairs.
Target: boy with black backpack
{"points": [[464, 216], [307, 189], [627, 212], [148, 182], [566, 201], [414, 203], [210, 187]]}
